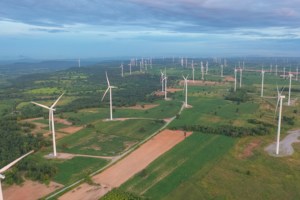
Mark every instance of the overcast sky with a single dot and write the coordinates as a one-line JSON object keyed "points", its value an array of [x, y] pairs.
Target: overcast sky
{"points": [[107, 28]]}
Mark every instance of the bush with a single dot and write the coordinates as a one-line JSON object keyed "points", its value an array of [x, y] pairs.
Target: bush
{"points": [[142, 129], [144, 173], [64, 146]]}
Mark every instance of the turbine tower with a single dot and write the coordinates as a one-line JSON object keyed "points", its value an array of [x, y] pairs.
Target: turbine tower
{"points": [[276, 71], [193, 70], [122, 68], [166, 84], [206, 67], [129, 68], [241, 77], [162, 80], [270, 69], [6, 168], [290, 86], [221, 70], [262, 82], [79, 62], [284, 72], [235, 70], [185, 61], [185, 84], [51, 119], [279, 100], [243, 64], [297, 74], [140, 66], [110, 99]]}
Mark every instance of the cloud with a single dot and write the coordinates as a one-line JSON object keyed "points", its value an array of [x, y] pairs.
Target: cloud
{"points": [[48, 30]]}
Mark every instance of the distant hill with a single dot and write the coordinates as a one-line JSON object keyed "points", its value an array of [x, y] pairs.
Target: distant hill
{"points": [[21, 68]]}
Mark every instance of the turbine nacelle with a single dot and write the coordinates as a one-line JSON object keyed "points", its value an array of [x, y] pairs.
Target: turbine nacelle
{"points": [[2, 176]]}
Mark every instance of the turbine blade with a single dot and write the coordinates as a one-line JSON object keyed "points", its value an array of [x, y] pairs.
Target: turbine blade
{"points": [[14, 162], [105, 94], [107, 79], [41, 105], [276, 108], [282, 90], [57, 100]]}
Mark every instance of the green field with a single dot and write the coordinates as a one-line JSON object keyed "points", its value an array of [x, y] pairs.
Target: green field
{"points": [[108, 138], [47, 90], [180, 166], [74, 169]]}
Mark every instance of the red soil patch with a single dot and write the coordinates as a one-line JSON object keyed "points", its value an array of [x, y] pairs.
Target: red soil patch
{"points": [[200, 83], [248, 150], [228, 78], [71, 129], [29, 191], [172, 90], [70, 156], [128, 167], [139, 107], [189, 106], [62, 121]]}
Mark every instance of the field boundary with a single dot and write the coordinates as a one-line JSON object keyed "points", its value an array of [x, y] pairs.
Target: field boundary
{"points": [[118, 157]]}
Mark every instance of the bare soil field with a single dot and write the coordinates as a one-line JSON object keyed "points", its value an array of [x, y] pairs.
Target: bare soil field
{"points": [[70, 156], [29, 191], [172, 90], [71, 129], [62, 121], [139, 107], [228, 78], [128, 167], [201, 83], [248, 151]]}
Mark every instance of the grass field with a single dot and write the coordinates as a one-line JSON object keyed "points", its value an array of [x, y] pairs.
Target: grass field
{"points": [[74, 169], [179, 166], [108, 138], [47, 90]]}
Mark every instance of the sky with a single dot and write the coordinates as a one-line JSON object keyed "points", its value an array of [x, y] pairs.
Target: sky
{"points": [[56, 29]]}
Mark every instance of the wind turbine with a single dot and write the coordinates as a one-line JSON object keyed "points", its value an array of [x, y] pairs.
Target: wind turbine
{"points": [[166, 84], [221, 70], [297, 74], [146, 65], [270, 69], [235, 79], [79, 62], [109, 88], [122, 68], [193, 70], [262, 82], [241, 77], [185, 61], [129, 68], [6, 168], [206, 67], [140, 66], [51, 119], [202, 70], [185, 82], [284, 72], [243, 64], [162, 81], [280, 97], [290, 86], [276, 70]]}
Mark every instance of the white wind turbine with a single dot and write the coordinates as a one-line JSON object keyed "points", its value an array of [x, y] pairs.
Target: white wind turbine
{"points": [[79, 62], [290, 86], [110, 99], [140, 66], [193, 70], [243, 64], [235, 70], [241, 77], [185, 61], [165, 79], [6, 168], [284, 72], [206, 67], [202, 70], [262, 82], [51, 119], [279, 100], [129, 68], [297, 74], [270, 69], [221, 70], [162, 80], [122, 68], [185, 84], [276, 71]]}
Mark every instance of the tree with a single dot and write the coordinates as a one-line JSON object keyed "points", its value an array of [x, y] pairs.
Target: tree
{"points": [[142, 129], [144, 173], [184, 134], [64, 146], [177, 116], [237, 110]]}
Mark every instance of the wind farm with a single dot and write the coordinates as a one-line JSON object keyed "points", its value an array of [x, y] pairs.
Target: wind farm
{"points": [[140, 100]]}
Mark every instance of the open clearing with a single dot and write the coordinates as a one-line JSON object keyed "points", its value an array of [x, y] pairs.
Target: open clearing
{"points": [[201, 83], [71, 129], [29, 191], [128, 167], [285, 146], [228, 78], [139, 107]]}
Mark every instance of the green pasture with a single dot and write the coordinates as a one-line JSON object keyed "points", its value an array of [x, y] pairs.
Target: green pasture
{"points": [[70, 171], [180, 166], [47, 90], [108, 138]]}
